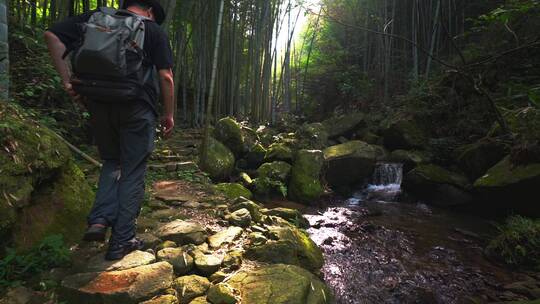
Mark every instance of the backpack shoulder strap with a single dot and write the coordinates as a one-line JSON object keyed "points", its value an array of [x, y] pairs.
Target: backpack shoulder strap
{"points": [[108, 10]]}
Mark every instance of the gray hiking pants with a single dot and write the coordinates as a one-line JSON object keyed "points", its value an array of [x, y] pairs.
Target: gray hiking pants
{"points": [[124, 134]]}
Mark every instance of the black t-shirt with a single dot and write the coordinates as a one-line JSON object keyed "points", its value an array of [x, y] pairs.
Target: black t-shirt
{"points": [[156, 43]]}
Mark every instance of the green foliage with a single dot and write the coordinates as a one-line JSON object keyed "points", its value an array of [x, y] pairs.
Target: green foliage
{"points": [[16, 267], [509, 11], [36, 85], [518, 243]]}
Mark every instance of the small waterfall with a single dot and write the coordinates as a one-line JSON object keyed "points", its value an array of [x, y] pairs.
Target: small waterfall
{"points": [[388, 174], [385, 184]]}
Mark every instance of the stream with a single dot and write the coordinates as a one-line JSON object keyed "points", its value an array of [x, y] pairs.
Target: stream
{"points": [[381, 250]]}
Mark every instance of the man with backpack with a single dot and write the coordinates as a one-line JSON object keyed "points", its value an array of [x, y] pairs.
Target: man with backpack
{"points": [[120, 59]]}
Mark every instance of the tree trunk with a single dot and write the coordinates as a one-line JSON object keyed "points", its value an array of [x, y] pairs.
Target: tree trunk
{"points": [[4, 52]]}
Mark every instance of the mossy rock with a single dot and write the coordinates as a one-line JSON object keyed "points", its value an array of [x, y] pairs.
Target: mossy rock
{"points": [[292, 216], [42, 190], [288, 245], [272, 179], [277, 170], [312, 136], [475, 159], [229, 132], [344, 125], [280, 284], [405, 134], [60, 209], [437, 185], [524, 122], [510, 187], [234, 190], [340, 159], [305, 184], [279, 152], [505, 174], [220, 161]]}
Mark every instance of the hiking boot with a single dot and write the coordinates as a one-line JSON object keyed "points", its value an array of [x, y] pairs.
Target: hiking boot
{"points": [[95, 233], [117, 251]]}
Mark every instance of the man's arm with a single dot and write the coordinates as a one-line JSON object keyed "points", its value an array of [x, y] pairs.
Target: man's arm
{"points": [[57, 50], [166, 81]]}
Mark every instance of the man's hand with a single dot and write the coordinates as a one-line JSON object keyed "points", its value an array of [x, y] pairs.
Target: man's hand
{"points": [[68, 87], [167, 125]]}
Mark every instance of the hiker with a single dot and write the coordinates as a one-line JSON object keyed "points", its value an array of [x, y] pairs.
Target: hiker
{"points": [[120, 61]]}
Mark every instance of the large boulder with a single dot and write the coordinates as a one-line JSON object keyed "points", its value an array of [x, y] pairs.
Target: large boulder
{"points": [[312, 136], [404, 134], [305, 184], [182, 232], [350, 163], [475, 159], [220, 160], [438, 186], [272, 178], [280, 284], [292, 216], [511, 187], [42, 191], [234, 190], [287, 245], [229, 132], [279, 152], [126, 286], [344, 125], [190, 287]]}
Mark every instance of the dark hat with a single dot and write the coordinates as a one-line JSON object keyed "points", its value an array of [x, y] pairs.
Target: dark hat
{"points": [[158, 10]]}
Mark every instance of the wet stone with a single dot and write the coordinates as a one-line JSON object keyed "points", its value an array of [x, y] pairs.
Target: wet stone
{"points": [[207, 263], [222, 294], [190, 287], [182, 232], [226, 236], [200, 300], [150, 241], [240, 217], [132, 260], [166, 299], [181, 261], [126, 286]]}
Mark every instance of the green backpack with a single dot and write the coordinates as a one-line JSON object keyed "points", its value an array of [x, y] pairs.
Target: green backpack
{"points": [[109, 62]]}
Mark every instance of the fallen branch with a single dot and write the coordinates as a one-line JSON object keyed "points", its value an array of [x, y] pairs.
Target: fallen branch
{"points": [[78, 151]]}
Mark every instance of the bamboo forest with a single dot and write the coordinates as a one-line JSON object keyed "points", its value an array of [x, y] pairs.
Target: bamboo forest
{"points": [[269, 151]]}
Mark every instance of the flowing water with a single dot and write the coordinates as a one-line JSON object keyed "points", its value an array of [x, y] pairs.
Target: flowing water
{"points": [[379, 250]]}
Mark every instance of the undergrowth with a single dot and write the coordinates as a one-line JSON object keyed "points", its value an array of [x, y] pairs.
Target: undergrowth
{"points": [[16, 267], [518, 243]]}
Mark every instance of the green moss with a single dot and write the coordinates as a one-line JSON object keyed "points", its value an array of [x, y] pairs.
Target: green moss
{"points": [[518, 243], [60, 211], [351, 148], [234, 190], [505, 174], [229, 132], [290, 245], [277, 170], [439, 175], [220, 161], [312, 136], [280, 284], [305, 185], [279, 151]]}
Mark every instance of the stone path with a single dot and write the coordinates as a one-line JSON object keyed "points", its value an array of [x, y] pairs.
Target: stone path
{"points": [[201, 248]]}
